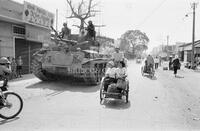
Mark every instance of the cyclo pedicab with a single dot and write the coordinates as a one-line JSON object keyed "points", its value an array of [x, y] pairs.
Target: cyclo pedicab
{"points": [[115, 85], [148, 69]]}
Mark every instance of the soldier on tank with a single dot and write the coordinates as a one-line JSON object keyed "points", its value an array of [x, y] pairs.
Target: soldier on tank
{"points": [[90, 30], [65, 32]]}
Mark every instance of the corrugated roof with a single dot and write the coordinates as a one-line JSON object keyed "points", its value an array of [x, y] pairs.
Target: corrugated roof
{"points": [[196, 44]]}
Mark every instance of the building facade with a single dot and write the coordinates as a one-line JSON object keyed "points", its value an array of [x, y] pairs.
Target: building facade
{"points": [[24, 29], [185, 51]]}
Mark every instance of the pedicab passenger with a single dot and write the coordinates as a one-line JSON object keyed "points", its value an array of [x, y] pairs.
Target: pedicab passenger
{"points": [[121, 75], [110, 75]]}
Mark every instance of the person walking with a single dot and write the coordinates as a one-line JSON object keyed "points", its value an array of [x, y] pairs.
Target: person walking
{"points": [[19, 66], [176, 65], [156, 60], [13, 68]]}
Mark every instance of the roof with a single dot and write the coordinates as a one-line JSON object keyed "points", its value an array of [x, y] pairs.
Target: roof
{"points": [[196, 44]]}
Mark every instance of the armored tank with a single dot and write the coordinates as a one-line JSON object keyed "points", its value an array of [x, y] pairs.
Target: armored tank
{"points": [[78, 61]]}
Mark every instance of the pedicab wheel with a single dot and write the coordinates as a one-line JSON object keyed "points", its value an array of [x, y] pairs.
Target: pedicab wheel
{"points": [[142, 71], [101, 99], [101, 95], [127, 93], [12, 101]]}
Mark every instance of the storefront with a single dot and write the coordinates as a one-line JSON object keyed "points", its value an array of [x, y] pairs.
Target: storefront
{"points": [[185, 51], [24, 29]]}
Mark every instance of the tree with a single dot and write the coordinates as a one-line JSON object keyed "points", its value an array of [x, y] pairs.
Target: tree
{"points": [[136, 40], [82, 11]]}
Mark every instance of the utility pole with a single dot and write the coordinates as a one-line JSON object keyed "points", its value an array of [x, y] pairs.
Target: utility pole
{"points": [[167, 47], [56, 19], [194, 5]]}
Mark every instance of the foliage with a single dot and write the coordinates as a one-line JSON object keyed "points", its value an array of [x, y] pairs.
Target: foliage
{"points": [[83, 11], [106, 44], [135, 40]]}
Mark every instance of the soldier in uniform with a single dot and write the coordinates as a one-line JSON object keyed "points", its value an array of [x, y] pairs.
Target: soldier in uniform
{"points": [[65, 32], [90, 30]]}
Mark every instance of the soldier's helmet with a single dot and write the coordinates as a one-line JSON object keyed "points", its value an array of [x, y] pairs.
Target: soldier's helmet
{"points": [[4, 60], [89, 22], [65, 24]]}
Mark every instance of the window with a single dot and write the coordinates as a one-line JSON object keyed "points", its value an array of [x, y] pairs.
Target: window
{"points": [[19, 30]]}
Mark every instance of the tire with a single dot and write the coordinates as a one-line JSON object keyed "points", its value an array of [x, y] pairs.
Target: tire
{"points": [[101, 97], [127, 93], [101, 93], [3, 114], [142, 71]]}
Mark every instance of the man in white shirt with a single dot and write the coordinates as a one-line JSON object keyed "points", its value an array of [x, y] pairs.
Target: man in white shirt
{"points": [[156, 60]]}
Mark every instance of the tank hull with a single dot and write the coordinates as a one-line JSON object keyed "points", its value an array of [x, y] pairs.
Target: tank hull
{"points": [[89, 72]]}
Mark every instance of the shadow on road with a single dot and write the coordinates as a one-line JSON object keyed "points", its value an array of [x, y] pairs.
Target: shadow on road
{"points": [[177, 76], [152, 78], [2, 122], [116, 104], [24, 77], [60, 87]]}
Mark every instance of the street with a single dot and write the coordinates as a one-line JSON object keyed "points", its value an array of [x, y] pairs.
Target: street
{"points": [[161, 103]]}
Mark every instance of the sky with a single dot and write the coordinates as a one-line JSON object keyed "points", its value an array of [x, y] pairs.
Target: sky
{"points": [[157, 18]]}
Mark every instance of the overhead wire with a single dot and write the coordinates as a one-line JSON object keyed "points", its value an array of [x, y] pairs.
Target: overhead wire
{"points": [[151, 13]]}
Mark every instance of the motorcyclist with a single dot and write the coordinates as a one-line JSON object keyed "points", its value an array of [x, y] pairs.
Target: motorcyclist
{"points": [[4, 71]]}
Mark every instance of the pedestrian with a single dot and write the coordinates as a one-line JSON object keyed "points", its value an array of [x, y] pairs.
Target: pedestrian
{"points": [[156, 60], [19, 66], [13, 68], [176, 64]]}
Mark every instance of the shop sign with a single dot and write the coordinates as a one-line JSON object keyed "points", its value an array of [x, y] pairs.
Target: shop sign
{"points": [[35, 15]]}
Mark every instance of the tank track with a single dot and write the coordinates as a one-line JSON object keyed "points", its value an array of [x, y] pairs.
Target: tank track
{"points": [[37, 69]]}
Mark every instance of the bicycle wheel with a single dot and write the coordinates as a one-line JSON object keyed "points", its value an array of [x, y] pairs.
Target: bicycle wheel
{"points": [[13, 105]]}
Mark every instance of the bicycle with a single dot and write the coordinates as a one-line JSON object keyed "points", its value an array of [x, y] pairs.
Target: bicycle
{"points": [[11, 104]]}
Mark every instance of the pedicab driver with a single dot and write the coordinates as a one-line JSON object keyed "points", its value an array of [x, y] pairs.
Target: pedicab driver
{"points": [[118, 56], [150, 61]]}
